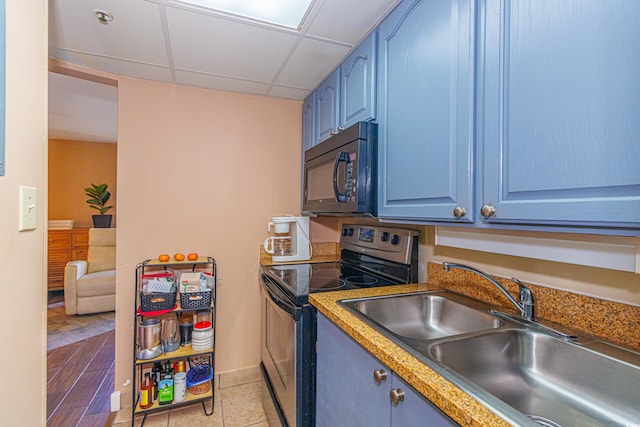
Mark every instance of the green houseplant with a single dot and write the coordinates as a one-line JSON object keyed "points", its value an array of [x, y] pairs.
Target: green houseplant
{"points": [[99, 195]]}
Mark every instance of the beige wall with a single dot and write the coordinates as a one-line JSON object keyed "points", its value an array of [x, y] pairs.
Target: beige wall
{"points": [[73, 166], [203, 171], [22, 254], [597, 282]]}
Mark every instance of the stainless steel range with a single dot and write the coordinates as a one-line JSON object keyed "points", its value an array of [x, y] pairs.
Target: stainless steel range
{"points": [[370, 256]]}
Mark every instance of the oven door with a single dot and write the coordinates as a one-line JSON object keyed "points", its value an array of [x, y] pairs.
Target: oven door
{"points": [[279, 346]]}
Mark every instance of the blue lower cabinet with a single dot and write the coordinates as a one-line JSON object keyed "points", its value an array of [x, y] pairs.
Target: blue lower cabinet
{"points": [[415, 410], [353, 388], [346, 393], [425, 111], [558, 103]]}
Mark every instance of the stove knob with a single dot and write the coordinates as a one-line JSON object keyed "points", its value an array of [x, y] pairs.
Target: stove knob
{"points": [[395, 239], [345, 232], [351, 232], [385, 236]]}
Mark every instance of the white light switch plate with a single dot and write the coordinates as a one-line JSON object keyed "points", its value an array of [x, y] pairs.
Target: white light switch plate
{"points": [[28, 208]]}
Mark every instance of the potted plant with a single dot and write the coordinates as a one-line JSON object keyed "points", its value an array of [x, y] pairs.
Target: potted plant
{"points": [[98, 198]]}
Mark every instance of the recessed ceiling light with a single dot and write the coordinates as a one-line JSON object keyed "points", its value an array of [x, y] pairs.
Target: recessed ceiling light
{"points": [[103, 16], [281, 12]]}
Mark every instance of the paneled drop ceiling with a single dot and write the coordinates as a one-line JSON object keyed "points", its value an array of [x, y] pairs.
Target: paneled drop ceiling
{"points": [[169, 41]]}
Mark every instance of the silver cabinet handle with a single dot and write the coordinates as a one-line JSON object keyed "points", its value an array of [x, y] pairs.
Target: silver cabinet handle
{"points": [[379, 375], [340, 128], [333, 132], [488, 211], [396, 395], [459, 211]]}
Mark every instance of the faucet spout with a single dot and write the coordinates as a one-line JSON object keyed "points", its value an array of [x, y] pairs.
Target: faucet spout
{"points": [[526, 304]]}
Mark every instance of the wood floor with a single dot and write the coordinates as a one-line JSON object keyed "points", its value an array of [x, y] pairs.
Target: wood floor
{"points": [[80, 379]]}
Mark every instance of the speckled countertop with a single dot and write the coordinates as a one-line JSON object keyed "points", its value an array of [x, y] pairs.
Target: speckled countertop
{"points": [[320, 252], [614, 322]]}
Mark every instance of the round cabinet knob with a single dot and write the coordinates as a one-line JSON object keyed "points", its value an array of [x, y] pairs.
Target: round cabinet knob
{"points": [[340, 128], [396, 395], [459, 211], [488, 211], [395, 239], [333, 132], [379, 375]]}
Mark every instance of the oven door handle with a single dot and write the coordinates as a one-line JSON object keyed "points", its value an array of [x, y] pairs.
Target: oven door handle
{"points": [[283, 303]]}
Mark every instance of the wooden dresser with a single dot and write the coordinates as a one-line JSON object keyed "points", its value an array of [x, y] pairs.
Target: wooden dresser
{"points": [[65, 246]]}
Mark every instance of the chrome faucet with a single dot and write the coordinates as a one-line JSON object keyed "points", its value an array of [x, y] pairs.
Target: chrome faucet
{"points": [[526, 304]]}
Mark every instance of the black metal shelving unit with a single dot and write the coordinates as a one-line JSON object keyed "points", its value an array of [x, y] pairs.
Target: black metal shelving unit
{"points": [[192, 357]]}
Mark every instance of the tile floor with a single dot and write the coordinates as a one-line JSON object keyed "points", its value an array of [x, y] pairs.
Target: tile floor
{"points": [[237, 403]]}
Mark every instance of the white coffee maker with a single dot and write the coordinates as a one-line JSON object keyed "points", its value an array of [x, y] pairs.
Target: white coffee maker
{"points": [[290, 239]]}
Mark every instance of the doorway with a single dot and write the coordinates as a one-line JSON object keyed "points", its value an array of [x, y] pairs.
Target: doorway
{"points": [[82, 151]]}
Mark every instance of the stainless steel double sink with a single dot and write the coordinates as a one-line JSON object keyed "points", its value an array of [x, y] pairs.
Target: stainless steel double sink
{"points": [[527, 375]]}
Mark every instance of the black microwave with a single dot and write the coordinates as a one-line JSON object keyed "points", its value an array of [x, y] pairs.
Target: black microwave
{"points": [[340, 173]]}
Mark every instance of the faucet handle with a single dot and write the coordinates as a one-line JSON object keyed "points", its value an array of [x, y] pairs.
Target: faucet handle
{"points": [[526, 299]]}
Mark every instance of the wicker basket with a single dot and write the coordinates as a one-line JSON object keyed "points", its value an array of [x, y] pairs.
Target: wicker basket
{"points": [[199, 379], [200, 388]]}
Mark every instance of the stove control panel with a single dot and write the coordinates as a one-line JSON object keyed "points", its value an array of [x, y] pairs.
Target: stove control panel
{"points": [[394, 244]]}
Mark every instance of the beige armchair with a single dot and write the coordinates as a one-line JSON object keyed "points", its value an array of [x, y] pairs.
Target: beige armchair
{"points": [[90, 286]]}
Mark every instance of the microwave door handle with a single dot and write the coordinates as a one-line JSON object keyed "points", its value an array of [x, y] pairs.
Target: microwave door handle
{"points": [[342, 157]]}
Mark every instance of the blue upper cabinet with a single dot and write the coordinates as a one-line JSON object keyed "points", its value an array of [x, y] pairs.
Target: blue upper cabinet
{"points": [[327, 107], [559, 112], [425, 111], [308, 129], [358, 84]]}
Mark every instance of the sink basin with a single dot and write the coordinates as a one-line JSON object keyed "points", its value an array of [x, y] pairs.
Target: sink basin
{"points": [[553, 382], [422, 316]]}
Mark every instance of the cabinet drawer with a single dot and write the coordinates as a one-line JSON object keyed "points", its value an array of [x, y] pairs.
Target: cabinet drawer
{"points": [[79, 253], [59, 239], [80, 238]]}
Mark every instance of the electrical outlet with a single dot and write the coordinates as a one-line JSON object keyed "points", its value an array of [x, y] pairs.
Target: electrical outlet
{"points": [[28, 208]]}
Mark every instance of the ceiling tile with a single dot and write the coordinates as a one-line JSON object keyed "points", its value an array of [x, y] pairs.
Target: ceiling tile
{"points": [[288, 93], [335, 20], [134, 34], [310, 63], [225, 47], [220, 83], [115, 66]]}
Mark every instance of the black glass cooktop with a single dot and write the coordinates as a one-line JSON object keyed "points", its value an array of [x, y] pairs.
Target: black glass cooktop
{"points": [[298, 280]]}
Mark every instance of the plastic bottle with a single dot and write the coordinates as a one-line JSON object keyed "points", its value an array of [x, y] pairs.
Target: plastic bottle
{"points": [[165, 386], [146, 392]]}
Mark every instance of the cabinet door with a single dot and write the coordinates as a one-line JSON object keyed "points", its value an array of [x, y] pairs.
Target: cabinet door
{"points": [[425, 106], [358, 84], [415, 410], [346, 393], [558, 121], [308, 129], [326, 108]]}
